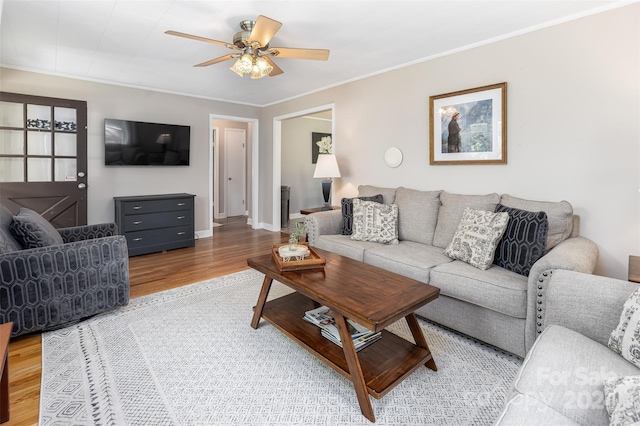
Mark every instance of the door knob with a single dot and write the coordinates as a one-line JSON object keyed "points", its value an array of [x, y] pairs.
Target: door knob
{"points": [[81, 186]]}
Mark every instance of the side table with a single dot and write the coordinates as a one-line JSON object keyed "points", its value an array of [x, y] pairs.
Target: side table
{"points": [[316, 210], [634, 269], [5, 335]]}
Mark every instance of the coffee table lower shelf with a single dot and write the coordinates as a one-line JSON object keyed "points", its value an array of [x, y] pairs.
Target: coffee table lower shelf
{"points": [[384, 363]]}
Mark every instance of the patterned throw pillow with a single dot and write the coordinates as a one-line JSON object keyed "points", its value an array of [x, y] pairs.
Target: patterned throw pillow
{"points": [[346, 227], [523, 241], [476, 238], [622, 399], [625, 339], [32, 230], [375, 222]]}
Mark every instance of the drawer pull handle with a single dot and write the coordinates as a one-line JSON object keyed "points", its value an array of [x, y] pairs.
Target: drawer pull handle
{"points": [[137, 222], [137, 207], [137, 239], [181, 217], [181, 233], [182, 204]]}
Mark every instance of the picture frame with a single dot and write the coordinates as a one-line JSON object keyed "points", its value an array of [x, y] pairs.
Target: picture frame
{"points": [[469, 126], [321, 143]]}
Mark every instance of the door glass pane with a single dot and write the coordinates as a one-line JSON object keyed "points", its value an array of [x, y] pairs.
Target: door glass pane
{"points": [[38, 170], [11, 142], [11, 170], [38, 143], [65, 144], [65, 169], [65, 119], [11, 114], [38, 116]]}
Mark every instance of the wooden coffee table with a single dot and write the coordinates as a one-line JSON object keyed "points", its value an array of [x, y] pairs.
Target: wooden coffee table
{"points": [[5, 335], [368, 295]]}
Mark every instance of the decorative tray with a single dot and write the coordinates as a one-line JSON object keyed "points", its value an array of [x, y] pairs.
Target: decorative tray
{"points": [[305, 258]]}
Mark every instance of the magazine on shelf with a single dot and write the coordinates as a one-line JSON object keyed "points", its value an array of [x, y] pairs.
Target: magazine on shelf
{"points": [[323, 318]]}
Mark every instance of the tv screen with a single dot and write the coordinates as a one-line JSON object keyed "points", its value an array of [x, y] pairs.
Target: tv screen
{"points": [[134, 143]]}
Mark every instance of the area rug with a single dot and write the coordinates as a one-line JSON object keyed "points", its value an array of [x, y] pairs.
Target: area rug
{"points": [[188, 356]]}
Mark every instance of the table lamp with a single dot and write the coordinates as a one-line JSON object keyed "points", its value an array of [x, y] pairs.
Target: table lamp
{"points": [[326, 168]]}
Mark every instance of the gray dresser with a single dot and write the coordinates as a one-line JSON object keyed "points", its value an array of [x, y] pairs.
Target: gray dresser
{"points": [[153, 223]]}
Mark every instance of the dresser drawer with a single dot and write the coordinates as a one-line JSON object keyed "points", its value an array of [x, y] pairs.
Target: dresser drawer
{"points": [[148, 206], [183, 235], [141, 222]]}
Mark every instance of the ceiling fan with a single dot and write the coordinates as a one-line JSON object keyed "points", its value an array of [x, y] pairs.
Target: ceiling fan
{"points": [[253, 54]]}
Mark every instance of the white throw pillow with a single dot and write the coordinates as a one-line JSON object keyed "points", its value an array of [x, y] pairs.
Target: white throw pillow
{"points": [[622, 399], [375, 222], [477, 236], [625, 339]]}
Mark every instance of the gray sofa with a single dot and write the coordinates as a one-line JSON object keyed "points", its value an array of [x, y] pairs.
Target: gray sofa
{"points": [[497, 306], [561, 381], [79, 272]]}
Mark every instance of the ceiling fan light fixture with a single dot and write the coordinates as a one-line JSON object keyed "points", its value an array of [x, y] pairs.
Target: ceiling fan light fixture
{"points": [[236, 68]]}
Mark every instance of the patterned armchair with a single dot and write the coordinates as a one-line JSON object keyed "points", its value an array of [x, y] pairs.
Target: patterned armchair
{"points": [[81, 271]]}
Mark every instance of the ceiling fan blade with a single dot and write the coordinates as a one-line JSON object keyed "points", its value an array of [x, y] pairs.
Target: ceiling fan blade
{"points": [[293, 53], [216, 60], [276, 69], [195, 37], [264, 30]]}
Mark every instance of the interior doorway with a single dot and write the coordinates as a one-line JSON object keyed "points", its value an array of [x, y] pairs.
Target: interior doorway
{"points": [[277, 154], [219, 209]]}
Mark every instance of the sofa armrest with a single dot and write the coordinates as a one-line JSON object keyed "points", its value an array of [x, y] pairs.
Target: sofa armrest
{"points": [[45, 287], [322, 223], [87, 232], [577, 254], [588, 304]]}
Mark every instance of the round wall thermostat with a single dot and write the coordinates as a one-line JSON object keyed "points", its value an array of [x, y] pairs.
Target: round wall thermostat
{"points": [[393, 157]]}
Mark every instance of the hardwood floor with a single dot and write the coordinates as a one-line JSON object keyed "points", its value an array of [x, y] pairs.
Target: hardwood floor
{"points": [[224, 253]]}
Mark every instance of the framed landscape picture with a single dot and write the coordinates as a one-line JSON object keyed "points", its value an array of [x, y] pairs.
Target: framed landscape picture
{"points": [[469, 126]]}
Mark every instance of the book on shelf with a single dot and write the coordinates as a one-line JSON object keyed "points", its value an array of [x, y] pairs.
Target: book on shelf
{"points": [[323, 318]]}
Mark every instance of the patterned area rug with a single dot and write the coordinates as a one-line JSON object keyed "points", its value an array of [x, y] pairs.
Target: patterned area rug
{"points": [[188, 356]]}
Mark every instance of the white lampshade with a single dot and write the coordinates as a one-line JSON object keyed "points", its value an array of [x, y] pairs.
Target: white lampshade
{"points": [[327, 167]]}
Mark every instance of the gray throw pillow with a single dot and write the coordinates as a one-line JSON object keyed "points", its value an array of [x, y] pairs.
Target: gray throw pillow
{"points": [[477, 236], [523, 241], [622, 399], [32, 230], [625, 339], [346, 227], [375, 222]]}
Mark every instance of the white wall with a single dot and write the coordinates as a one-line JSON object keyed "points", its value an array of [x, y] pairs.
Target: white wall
{"points": [[573, 126], [297, 169], [109, 101]]}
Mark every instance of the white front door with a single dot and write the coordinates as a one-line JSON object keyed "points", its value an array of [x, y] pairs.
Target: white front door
{"points": [[235, 150]]}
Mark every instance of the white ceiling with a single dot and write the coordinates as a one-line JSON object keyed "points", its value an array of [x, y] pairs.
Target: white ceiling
{"points": [[123, 41]]}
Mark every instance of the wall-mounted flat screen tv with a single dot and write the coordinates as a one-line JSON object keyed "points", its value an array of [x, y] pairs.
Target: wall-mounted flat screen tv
{"points": [[135, 143]]}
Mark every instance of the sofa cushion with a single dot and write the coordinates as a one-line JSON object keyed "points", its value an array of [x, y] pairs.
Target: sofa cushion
{"points": [[523, 241], [559, 214], [477, 236], [625, 339], [566, 370], [346, 227], [7, 242], [496, 288], [344, 246], [388, 194], [32, 230], [375, 222], [451, 208], [622, 399], [417, 214], [410, 259]]}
